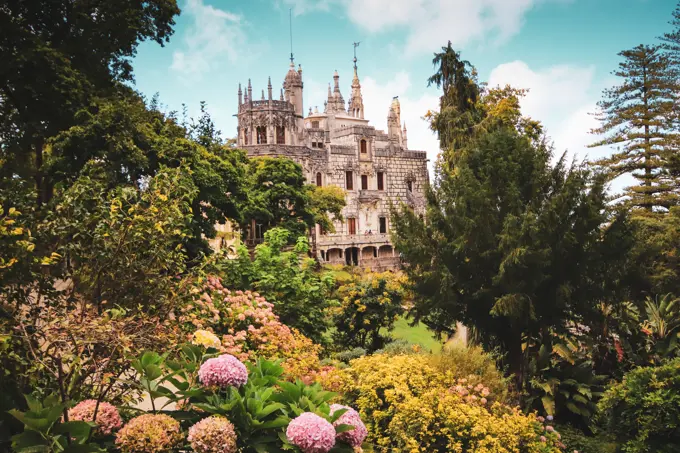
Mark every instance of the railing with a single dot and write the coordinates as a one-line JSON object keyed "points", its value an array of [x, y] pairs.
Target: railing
{"points": [[370, 195], [342, 240]]}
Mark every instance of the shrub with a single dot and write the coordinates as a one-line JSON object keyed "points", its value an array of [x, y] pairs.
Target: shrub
{"points": [[248, 328], [370, 305], [400, 347], [350, 354], [643, 411], [576, 440], [472, 361], [412, 403]]}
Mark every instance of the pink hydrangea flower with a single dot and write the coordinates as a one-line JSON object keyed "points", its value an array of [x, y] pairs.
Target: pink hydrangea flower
{"points": [[223, 371], [356, 436], [149, 433], [213, 435], [311, 433], [549, 428], [543, 439], [108, 418]]}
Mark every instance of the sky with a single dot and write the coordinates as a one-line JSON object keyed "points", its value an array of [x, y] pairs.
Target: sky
{"points": [[563, 51]]}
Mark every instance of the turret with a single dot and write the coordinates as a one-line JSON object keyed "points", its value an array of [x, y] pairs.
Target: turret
{"points": [[404, 138], [240, 95], [293, 87], [356, 103], [250, 92], [269, 88]]}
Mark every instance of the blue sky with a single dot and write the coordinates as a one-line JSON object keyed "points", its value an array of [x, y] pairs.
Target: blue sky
{"points": [[562, 50]]}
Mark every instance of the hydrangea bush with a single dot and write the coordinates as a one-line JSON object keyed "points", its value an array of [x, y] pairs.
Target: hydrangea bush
{"points": [[213, 435], [243, 324], [149, 433], [107, 417]]}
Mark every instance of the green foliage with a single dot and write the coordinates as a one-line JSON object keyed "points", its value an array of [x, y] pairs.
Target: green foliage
{"points": [[662, 327], [576, 440], [350, 354], [132, 142], [564, 384], [46, 431], [657, 239], [325, 204], [57, 58], [260, 410], [643, 411], [288, 279], [124, 246], [639, 114], [369, 307]]}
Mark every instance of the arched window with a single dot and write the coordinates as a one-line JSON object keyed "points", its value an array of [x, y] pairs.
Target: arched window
{"points": [[363, 147], [280, 135], [261, 135], [246, 136], [318, 179], [409, 185]]}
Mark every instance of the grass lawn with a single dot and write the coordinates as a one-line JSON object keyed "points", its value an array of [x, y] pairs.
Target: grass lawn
{"points": [[416, 334]]}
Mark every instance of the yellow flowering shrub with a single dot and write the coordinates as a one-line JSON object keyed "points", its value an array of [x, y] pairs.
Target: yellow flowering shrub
{"points": [[411, 405]]}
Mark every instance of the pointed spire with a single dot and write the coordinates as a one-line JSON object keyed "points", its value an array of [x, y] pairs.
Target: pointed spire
{"points": [[240, 94], [269, 89], [263, 94], [336, 82], [329, 91], [250, 92], [310, 111], [281, 98]]}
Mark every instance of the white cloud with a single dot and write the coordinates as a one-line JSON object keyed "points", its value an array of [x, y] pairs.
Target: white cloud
{"points": [[212, 34], [428, 21], [561, 97]]}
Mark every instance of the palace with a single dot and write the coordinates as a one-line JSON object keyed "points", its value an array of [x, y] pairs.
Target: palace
{"points": [[339, 147]]}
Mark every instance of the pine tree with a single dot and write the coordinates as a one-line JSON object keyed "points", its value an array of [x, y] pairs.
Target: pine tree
{"points": [[672, 39], [640, 116]]}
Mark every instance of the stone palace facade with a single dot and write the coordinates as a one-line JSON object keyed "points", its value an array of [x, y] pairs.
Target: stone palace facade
{"points": [[339, 147]]}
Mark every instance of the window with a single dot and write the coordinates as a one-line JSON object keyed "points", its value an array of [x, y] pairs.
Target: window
{"points": [[313, 144], [383, 225], [280, 135], [318, 179], [315, 124], [261, 135], [364, 182], [352, 226], [320, 145], [363, 147], [409, 185], [381, 181], [246, 136], [349, 180]]}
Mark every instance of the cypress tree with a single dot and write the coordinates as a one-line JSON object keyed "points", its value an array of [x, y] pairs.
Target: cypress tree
{"points": [[639, 116]]}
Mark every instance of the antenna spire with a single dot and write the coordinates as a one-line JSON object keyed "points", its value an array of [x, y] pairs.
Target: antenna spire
{"points": [[356, 44], [290, 20]]}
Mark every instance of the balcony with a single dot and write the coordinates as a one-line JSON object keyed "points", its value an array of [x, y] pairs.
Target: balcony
{"points": [[370, 196]]}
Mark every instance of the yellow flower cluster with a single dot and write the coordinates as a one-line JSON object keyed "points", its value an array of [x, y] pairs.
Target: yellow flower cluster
{"points": [[206, 339], [413, 407]]}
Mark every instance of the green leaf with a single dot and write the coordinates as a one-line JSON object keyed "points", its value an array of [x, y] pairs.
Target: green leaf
{"points": [[343, 428], [269, 409], [77, 429], [278, 422], [548, 404]]}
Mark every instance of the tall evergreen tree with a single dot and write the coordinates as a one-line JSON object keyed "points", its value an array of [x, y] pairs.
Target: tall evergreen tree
{"points": [[640, 115], [512, 246], [671, 39]]}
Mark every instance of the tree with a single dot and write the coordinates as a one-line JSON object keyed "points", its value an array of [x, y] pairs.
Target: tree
{"points": [[512, 246], [57, 58], [457, 112], [369, 306], [288, 279], [277, 195], [640, 116], [671, 39], [131, 142]]}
